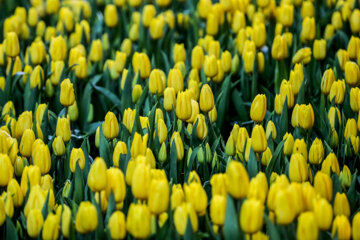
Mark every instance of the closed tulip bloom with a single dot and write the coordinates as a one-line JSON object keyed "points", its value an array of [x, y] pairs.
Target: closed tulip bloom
{"points": [[24, 122], [158, 200], [341, 205], [41, 157], [77, 157], [197, 57], [259, 35], [86, 218], [258, 136], [271, 130], [182, 213], [206, 98], [336, 20], [183, 106], [251, 216], [212, 25], [32, 175], [26, 143], [218, 209], [177, 196], [58, 48], [337, 92], [138, 221], [196, 195], [308, 29], [345, 177], [58, 146], [316, 153], [6, 170], [288, 144], [120, 149], [175, 80], [298, 169], [157, 27], [279, 48], [97, 179], [141, 63], [37, 77], [323, 185], [141, 181], [323, 213], [350, 128], [63, 213], [63, 128], [248, 59], [12, 46], [110, 15], [138, 145], [284, 207], [354, 21], [353, 47], [179, 53], [237, 180], [96, 51], [116, 184], [194, 111], [352, 73], [67, 95], [35, 200], [319, 49], [286, 15], [354, 99], [51, 227], [210, 66], [117, 225], [218, 185], [355, 226], [111, 126], [333, 113], [286, 92], [303, 55], [341, 226], [81, 70], [157, 81], [201, 129], [296, 78], [15, 192], [34, 222], [148, 13], [343, 57], [307, 227], [57, 69], [327, 80], [330, 164], [258, 108], [176, 139]]}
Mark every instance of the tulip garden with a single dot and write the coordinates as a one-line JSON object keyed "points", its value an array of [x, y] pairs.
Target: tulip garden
{"points": [[183, 119]]}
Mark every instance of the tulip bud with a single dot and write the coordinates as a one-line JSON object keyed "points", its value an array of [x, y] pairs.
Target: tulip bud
{"points": [[343, 57], [212, 25], [337, 92], [77, 157], [63, 128], [120, 149], [298, 168], [58, 146], [175, 80], [81, 69], [117, 225], [279, 48], [308, 29], [296, 78], [157, 27], [97, 175], [206, 98], [355, 225], [183, 106], [111, 16], [86, 218], [341, 226], [157, 81], [259, 142], [176, 139], [110, 126], [96, 51], [248, 59], [316, 153], [12, 46], [299, 146], [354, 21], [36, 77], [51, 227], [210, 66], [138, 220], [159, 191], [41, 157], [67, 96], [352, 74], [323, 185], [26, 143], [345, 177], [319, 49], [284, 207], [307, 227], [303, 55], [350, 128], [237, 180], [258, 108], [34, 222], [182, 213], [58, 49], [197, 57], [249, 209]]}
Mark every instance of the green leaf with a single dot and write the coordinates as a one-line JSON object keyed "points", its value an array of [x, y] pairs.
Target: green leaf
{"points": [[231, 226], [45, 208], [252, 164], [78, 185], [105, 149], [109, 95], [351, 194], [173, 162], [275, 157], [189, 233], [192, 158], [224, 101], [271, 230], [111, 207], [11, 233], [284, 120], [126, 93]]}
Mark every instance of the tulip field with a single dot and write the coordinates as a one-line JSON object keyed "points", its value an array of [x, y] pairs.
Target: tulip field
{"points": [[182, 119]]}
